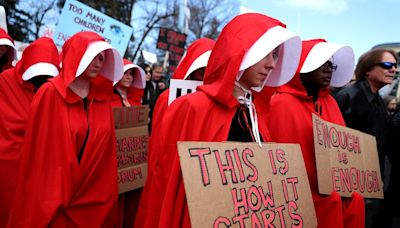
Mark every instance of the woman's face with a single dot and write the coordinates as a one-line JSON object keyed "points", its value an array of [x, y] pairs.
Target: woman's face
{"points": [[321, 77], [95, 66], [127, 79], [255, 75]]}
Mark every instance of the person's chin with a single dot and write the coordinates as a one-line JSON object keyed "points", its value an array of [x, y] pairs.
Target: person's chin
{"points": [[388, 81]]}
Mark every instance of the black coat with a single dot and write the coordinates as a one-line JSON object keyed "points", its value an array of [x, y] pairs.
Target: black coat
{"points": [[366, 112]]}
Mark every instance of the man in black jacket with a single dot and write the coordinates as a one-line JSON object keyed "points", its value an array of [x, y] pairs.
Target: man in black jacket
{"points": [[360, 103], [154, 87]]}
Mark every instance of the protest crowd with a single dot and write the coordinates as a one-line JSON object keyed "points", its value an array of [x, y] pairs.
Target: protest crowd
{"points": [[60, 164]]}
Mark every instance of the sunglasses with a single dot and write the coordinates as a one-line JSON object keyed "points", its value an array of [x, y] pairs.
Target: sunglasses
{"points": [[329, 66], [387, 65]]}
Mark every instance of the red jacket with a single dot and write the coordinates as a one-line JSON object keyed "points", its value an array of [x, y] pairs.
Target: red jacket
{"points": [[16, 96], [290, 121], [54, 189]]}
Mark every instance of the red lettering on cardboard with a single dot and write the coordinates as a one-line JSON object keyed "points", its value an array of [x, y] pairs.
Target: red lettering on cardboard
{"points": [[245, 155], [253, 198], [329, 136], [200, 154], [352, 179], [130, 175], [221, 220], [228, 166], [297, 220], [272, 160], [239, 164], [293, 181], [280, 156]]}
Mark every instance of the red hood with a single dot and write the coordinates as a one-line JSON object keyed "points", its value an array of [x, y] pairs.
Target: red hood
{"points": [[223, 65], [73, 50], [294, 86], [139, 76], [34, 54], [195, 50]]}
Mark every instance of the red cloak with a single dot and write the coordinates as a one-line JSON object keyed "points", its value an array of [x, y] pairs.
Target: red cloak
{"points": [[16, 96], [207, 114], [134, 97], [129, 201], [148, 212], [290, 121], [54, 188]]}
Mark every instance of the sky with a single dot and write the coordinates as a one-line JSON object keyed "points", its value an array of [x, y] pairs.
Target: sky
{"points": [[360, 24]]}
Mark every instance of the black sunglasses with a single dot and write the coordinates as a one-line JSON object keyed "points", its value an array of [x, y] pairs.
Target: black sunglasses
{"points": [[329, 66], [387, 65]]}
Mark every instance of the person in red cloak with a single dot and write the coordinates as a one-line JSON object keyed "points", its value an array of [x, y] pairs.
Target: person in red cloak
{"points": [[244, 59], [7, 51], [322, 64], [68, 161], [17, 88], [130, 89], [129, 92], [191, 67]]}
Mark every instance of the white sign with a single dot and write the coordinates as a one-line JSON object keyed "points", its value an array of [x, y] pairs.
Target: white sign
{"points": [[76, 17], [180, 87]]}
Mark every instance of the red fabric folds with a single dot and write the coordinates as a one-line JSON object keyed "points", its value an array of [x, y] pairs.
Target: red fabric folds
{"points": [[54, 189], [149, 203], [203, 116], [134, 97], [15, 100], [290, 121]]}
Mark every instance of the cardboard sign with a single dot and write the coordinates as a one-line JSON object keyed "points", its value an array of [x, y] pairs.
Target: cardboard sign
{"points": [[243, 185], [76, 17], [131, 178], [132, 139], [174, 42], [132, 144], [347, 160], [125, 117], [179, 88]]}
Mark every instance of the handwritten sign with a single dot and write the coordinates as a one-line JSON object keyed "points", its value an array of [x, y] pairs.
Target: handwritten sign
{"points": [[132, 140], [133, 116], [76, 17], [178, 87], [132, 144], [174, 42], [243, 185], [347, 160]]}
